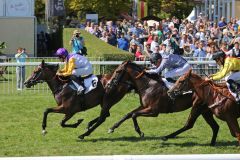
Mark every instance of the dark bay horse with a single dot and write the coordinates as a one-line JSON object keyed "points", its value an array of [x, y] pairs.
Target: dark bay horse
{"points": [[154, 99], [218, 99], [68, 102]]}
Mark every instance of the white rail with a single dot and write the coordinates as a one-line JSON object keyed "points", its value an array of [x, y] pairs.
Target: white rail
{"points": [[8, 81]]}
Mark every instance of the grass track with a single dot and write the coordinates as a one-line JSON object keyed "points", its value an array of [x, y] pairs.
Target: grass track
{"points": [[20, 131]]}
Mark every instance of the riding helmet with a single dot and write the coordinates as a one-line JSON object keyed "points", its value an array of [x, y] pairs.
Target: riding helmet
{"points": [[217, 55], [154, 57], [62, 52]]}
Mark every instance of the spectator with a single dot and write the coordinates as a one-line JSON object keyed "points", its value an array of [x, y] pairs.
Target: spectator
{"points": [[77, 43], [123, 43], [112, 38], [154, 43], [133, 48], [234, 52], [20, 70], [222, 24], [200, 53], [139, 55]]}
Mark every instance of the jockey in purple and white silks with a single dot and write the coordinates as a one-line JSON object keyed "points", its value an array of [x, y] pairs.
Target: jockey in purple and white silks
{"points": [[175, 65], [76, 66]]}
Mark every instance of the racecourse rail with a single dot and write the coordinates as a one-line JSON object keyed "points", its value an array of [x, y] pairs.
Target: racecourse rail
{"points": [[8, 69]]}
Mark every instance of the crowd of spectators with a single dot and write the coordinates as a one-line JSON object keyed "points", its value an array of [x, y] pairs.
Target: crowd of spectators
{"points": [[197, 40]]}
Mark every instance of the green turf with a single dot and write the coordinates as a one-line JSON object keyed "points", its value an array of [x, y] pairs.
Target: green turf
{"points": [[95, 46], [20, 131]]}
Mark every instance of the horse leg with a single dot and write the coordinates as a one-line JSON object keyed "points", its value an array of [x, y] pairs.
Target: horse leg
{"points": [[91, 123], [103, 115], [127, 116], [208, 116], [66, 118], [234, 127], [195, 113], [58, 109], [146, 112]]}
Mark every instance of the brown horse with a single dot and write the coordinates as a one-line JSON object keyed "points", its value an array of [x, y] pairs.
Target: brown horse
{"points": [[218, 99], [154, 99], [68, 102]]}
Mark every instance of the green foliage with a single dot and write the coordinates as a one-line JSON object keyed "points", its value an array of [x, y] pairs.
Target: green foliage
{"points": [[40, 10], [115, 57], [2, 46], [166, 8], [110, 9], [21, 119]]}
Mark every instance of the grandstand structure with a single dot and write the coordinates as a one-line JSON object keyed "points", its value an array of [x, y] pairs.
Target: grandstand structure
{"points": [[215, 9]]}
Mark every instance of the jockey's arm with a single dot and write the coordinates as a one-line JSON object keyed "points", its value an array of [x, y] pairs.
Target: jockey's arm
{"points": [[160, 68], [223, 72], [69, 68], [229, 52]]}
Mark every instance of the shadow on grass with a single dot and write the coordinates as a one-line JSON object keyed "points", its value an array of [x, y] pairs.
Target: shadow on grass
{"points": [[161, 142], [128, 139], [191, 144]]}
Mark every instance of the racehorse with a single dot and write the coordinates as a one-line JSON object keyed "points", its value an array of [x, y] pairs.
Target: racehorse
{"points": [[68, 102], [218, 99], [154, 99]]}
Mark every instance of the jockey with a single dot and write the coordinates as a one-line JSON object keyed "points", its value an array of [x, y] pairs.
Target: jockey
{"points": [[76, 66], [175, 64], [231, 68]]}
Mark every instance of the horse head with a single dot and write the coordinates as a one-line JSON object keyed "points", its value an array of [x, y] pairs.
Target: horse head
{"points": [[183, 84], [43, 72]]}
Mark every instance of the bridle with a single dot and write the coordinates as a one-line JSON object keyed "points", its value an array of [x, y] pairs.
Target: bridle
{"points": [[117, 79]]}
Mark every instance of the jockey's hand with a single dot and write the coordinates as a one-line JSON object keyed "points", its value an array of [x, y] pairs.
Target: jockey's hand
{"points": [[58, 74], [207, 79]]}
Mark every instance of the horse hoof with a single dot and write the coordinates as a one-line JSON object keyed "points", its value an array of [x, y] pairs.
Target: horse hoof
{"points": [[142, 135], [110, 131], [81, 137], [44, 132], [164, 138]]}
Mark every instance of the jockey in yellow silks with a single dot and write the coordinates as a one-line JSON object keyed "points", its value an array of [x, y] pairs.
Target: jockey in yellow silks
{"points": [[230, 69], [76, 66]]}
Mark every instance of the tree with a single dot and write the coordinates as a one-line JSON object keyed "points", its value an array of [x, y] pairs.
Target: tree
{"points": [[40, 10], [110, 9]]}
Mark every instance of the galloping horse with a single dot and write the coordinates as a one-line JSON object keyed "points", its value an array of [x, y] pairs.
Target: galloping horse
{"points": [[154, 99], [218, 99], [68, 102]]}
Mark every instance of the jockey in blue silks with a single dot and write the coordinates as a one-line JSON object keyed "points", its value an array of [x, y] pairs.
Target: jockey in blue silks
{"points": [[175, 65]]}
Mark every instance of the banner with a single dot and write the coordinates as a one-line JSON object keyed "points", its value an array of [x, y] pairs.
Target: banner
{"points": [[56, 8], [142, 9], [20, 8]]}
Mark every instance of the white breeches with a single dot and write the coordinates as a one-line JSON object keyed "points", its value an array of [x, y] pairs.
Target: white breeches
{"points": [[236, 77], [177, 71]]}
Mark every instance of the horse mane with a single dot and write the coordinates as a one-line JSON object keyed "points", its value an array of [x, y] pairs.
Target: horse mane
{"points": [[220, 88], [215, 85], [139, 68], [50, 66]]}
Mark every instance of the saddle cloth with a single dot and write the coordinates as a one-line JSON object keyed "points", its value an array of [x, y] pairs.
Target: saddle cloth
{"points": [[90, 83]]}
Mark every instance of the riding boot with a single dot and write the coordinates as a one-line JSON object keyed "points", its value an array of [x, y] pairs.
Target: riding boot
{"points": [[78, 83], [235, 88]]}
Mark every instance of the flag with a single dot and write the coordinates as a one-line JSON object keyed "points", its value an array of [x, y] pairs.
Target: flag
{"points": [[142, 9], [56, 8]]}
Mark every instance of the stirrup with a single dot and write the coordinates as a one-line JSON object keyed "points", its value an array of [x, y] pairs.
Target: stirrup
{"points": [[80, 90]]}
